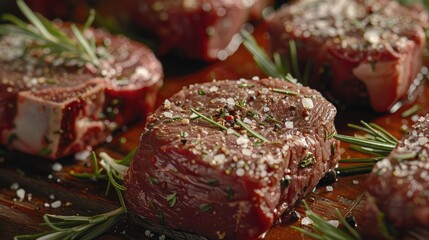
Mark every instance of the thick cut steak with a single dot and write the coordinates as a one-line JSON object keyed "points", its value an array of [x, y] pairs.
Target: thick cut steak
{"points": [[225, 184], [55, 108], [399, 185], [203, 29], [363, 52]]}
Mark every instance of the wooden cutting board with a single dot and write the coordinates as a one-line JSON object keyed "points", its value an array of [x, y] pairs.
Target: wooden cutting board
{"points": [[36, 177]]}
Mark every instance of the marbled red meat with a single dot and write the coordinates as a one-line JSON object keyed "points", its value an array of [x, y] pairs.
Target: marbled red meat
{"points": [[363, 52], [398, 186], [53, 109], [203, 29], [192, 176]]}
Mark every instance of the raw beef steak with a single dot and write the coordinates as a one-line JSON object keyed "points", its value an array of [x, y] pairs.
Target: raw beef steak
{"points": [[191, 175]]}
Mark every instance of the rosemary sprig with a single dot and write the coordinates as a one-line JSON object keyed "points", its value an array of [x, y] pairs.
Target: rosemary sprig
{"points": [[212, 122], [238, 121], [48, 37], [118, 166], [251, 131], [82, 227], [261, 57], [284, 91], [321, 229], [411, 111], [277, 66], [378, 142]]}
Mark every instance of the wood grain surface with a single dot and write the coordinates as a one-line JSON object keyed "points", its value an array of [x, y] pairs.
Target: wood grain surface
{"points": [[35, 175]]}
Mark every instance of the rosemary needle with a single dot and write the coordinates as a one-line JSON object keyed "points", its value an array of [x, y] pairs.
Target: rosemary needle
{"points": [[82, 227], [46, 35]]}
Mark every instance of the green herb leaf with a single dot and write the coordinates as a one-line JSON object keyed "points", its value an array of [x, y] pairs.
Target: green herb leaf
{"points": [[46, 35], [308, 161], [321, 229], [206, 207], [82, 227], [251, 131], [171, 199]]}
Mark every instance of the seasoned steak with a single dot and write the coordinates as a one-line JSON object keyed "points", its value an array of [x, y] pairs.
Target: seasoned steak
{"points": [[203, 29], [54, 108], [191, 175], [399, 185], [363, 52]]}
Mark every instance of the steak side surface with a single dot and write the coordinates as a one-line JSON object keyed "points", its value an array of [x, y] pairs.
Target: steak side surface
{"points": [[192, 176], [202, 29], [363, 52], [54, 108], [399, 185]]}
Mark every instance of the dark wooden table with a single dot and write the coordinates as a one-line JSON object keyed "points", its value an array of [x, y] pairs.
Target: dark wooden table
{"points": [[87, 198]]}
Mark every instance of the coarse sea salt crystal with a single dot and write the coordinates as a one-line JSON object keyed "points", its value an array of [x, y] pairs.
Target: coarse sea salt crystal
{"points": [[265, 90], [56, 204], [213, 89], [334, 223], [329, 188], [242, 140], [83, 155], [20, 193], [306, 221], [246, 152], [56, 167], [14, 186], [230, 101], [240, 172], [248, 121], [168, 114], [289, 124], [307, 103]]}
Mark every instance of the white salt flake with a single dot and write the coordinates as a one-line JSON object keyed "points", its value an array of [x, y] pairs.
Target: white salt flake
{"points": [[147, 233], [334, 223], [52, 196], [168, 114], [266, 109], [307, 103], [247, 121], [56, 204], [230, 131], [255, 78], [230, 101], [213, 89], [306, 221], [56, 167], [14, 186], [242, 140], [47, 205], [329, 188], [289, 124], [355, 182], [220, 158], [246, 152], [240, 172], [162, 237], [193, 116], [20, 193], [83, 155], [265, 90]]}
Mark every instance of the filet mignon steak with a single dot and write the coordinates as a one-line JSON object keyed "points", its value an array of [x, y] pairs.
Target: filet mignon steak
{"points": [[54, 108], [399, 185], [202, 29], [363, 52], [191, 175]]}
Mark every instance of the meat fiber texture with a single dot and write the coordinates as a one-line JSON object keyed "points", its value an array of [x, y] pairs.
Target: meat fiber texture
{"points": [[202, 29], [399, 185], [225, 184], [55, 108], [364, 53]]}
